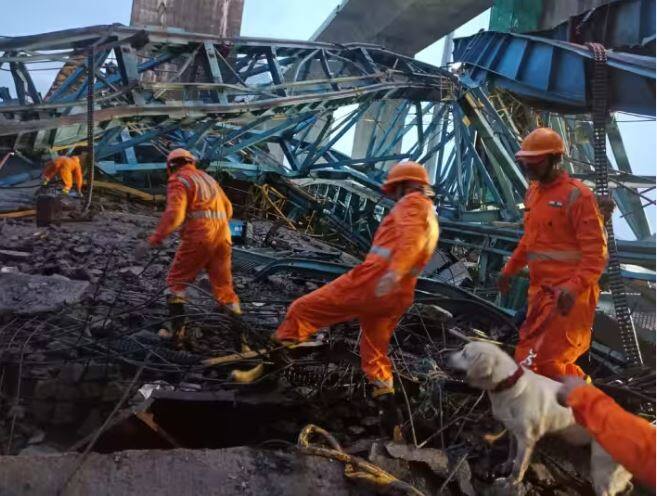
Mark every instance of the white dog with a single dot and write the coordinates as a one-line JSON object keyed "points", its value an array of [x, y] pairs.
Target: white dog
{"points": [[526, 403]]}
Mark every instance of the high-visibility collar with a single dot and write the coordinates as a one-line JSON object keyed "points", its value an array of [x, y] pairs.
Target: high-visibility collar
{"points": [[381, 251]]}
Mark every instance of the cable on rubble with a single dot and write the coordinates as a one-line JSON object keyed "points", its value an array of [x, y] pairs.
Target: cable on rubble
{"points": [[355, 468]]}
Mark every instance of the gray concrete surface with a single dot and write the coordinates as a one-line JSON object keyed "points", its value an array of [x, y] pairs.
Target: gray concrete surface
{"points": [[27, 294], [405, 26], [233, 471]]}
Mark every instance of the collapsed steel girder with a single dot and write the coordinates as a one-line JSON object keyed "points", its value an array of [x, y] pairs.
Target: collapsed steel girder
{"points": [[555, 74], [254, 106]]}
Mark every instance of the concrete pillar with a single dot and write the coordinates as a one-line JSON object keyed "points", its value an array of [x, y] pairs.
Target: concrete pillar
{"points": [[375, 124], [431, 163]]}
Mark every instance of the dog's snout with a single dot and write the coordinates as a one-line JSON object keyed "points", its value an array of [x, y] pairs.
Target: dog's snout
{"points": [[454, 359]]}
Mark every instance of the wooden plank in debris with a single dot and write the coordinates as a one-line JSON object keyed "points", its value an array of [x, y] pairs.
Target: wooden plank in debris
{"points": [[14, 255], [149, 421], [247, 355], [17, 213], [236, 357], [133, 192]]}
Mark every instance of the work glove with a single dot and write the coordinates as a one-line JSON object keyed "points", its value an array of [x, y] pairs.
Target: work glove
{"points": [[565, 300], [142, 250], [504, 283], [606, 205], [568, 384], [387, 283]]}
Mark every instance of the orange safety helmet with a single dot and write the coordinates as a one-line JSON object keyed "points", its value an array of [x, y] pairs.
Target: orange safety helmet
{"points": [[179, 153], [405, 171], [541, 141]]}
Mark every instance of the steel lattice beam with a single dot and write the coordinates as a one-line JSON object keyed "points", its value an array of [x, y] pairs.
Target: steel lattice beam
{"points": [[256, 107], [252, 106]]}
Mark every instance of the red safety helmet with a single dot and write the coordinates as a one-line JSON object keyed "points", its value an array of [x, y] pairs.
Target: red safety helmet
{"points": [[405, 171]]}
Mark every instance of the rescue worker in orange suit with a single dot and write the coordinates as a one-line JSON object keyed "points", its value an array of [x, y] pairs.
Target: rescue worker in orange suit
{"points": [[629, 439], [196, 200], [564, 244], [69, 170], [378, 291]]}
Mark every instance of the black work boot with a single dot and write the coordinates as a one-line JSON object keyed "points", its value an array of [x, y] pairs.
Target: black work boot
{"points": [[178, 320], [390, 416], [278, 352]]}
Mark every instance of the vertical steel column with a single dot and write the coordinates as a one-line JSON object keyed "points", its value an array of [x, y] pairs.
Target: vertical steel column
{"points": [[91, 69], [600, 114]]}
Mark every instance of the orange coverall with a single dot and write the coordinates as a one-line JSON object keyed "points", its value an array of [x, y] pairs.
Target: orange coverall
{"points": [[195, 199], [404, 242], [629, 439], [565, 246], [68, 168]]}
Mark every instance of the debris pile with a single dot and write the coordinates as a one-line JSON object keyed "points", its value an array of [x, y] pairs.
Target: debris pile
{"points": [[83, 367]]}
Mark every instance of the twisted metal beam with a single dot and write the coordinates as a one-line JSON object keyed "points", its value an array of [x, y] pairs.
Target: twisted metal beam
{"points": [[254, 106]]}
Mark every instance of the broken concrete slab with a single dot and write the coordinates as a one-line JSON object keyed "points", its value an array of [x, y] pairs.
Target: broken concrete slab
{"points": [[437, 460], [232, 471], [27, 294]]}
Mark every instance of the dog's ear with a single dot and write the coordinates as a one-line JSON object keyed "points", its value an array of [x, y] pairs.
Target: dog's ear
{"points": [[481, 367]]}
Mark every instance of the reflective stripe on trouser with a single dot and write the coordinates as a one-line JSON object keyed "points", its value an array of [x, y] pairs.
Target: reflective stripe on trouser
{"points": [[551, 343], [556, 255], [206, 214], [382, 251], [386, 254], [192, 256], [350, 297], [379, 384]]}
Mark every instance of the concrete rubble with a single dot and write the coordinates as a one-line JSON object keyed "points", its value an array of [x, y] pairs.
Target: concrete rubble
{"points": [[231, 471], [27, 294]]}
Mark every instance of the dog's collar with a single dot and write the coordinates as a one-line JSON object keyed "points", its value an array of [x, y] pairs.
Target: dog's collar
{"points": [[509, 382]]}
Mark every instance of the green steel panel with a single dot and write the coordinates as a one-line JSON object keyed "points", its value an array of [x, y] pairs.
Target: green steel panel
{"points": [[516, 16]]}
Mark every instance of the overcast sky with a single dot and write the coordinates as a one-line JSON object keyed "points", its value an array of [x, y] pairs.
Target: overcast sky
{"points": [[291, 19]]}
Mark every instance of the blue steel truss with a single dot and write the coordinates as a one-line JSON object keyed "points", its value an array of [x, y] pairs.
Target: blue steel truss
{"points": [[261, 108], [254, 106], [555, 73], [553, 76]]}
